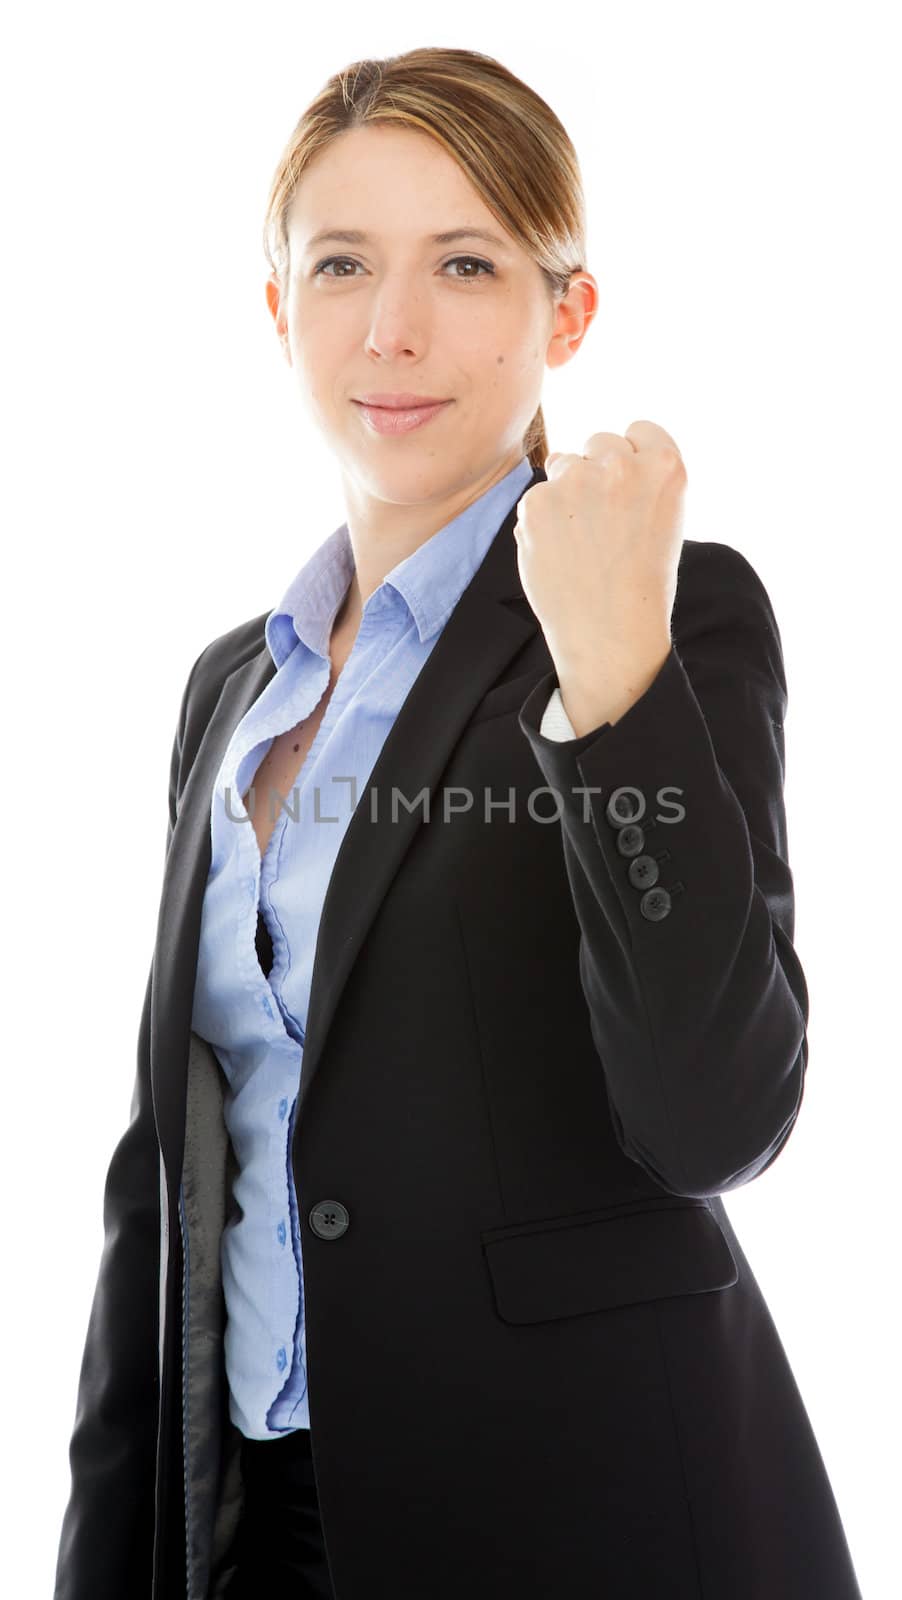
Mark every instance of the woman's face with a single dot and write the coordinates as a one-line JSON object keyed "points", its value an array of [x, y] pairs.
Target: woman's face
{"points": [[469, 321]]}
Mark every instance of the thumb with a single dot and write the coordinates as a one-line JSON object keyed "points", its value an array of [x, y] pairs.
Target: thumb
{"points": [[553, 457]]}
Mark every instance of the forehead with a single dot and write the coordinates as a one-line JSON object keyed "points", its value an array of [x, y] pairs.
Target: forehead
{"points": [[360, 188]]}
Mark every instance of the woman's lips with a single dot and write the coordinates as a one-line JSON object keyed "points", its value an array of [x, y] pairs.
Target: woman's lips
{"points": [[382, 419]]}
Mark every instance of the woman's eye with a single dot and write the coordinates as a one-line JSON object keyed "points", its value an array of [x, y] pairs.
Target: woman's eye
{"points": [[486, 266], [474, 261]]}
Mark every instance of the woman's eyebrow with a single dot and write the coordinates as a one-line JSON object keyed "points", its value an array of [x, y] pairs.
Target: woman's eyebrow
{"points": [[355, 236]]}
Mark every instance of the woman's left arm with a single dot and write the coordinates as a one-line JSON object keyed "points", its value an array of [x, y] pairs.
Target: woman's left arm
{"points": [[674, 838]]}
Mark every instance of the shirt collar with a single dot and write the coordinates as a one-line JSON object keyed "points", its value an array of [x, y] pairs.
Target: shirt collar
{"points": [[430, 581]]}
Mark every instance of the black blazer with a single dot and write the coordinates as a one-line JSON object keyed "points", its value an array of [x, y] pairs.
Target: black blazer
{"points": [[539, 1048]]}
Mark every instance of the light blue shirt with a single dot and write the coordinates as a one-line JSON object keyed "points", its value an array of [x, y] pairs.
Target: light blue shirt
{"points": [[256, 1024]]}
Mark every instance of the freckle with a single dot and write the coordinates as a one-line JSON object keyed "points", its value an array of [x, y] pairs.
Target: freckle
{"points": [[500, 360], [296, 748]]}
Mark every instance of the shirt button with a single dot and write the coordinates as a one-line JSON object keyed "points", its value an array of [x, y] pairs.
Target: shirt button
{"points": [[282, 1360], [280, 1231], [283, 1108]]}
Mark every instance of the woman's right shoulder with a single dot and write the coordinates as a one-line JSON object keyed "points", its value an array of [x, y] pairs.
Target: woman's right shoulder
{"points": [[222, 656]]}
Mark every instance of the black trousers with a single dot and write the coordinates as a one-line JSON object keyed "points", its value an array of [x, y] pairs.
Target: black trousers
{"points": [[280, 1549]]}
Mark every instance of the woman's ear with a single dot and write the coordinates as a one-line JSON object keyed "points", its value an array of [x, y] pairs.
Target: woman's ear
{"points": [[274, 301]]}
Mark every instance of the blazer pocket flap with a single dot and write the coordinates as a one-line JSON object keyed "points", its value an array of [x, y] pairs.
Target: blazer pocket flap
{"points": [[616, 1258]]}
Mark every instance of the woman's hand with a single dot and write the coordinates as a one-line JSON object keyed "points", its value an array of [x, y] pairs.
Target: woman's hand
{"points": [[598, 547]]}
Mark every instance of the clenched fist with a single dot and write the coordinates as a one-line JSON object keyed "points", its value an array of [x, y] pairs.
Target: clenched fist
{"points": [[598, 547]]}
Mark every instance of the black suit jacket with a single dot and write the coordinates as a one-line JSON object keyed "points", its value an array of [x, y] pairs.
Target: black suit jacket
{"points": [[541, 1043]]}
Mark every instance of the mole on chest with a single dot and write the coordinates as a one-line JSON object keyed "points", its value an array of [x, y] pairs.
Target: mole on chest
{"points": [[278, 771], [286, 755]]}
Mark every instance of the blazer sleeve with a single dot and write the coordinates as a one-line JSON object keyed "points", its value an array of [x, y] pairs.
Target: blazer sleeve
{"points": [[675, 845], [106, 1543]]}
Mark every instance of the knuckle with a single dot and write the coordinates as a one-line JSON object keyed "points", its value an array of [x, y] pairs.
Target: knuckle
{"points": [[671, 461]]}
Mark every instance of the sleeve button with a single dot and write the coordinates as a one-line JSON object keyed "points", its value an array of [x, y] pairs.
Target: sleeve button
{"points": [[631, 839], [643, 872], [625, 805], [655, 904]]}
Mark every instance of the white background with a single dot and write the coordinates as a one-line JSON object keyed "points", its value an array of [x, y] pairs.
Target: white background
{"points": [[741, 174]]}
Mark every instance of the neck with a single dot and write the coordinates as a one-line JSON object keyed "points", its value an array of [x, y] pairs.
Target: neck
{"points": [[383, 533]]}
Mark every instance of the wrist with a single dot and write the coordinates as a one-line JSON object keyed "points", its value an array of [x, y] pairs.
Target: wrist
{"points": [[595, 694]]}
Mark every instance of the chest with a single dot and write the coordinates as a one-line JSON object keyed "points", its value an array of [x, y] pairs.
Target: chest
{"points": [[279, 769]]}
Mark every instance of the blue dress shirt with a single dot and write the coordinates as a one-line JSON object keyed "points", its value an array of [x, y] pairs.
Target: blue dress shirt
{"points": [[256, 1024]]}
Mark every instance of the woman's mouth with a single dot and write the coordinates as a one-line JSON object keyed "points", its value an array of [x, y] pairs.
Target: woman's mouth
{"points": [[386, 419]]}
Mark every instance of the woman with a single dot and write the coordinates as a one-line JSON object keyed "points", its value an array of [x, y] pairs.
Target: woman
{"points": [[417, 1280]]}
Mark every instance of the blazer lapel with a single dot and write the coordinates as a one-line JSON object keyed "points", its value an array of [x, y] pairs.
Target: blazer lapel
{"points": [[491, 622], [178, 925]]}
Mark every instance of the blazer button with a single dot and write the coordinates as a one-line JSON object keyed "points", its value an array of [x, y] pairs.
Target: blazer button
{"points": [[329, 1219], [624, 807], [631, 839], [643, 872], [655, 904]]}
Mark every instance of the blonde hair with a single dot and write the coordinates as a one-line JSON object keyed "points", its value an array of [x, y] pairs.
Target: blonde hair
{"points": [[508, 142]]}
